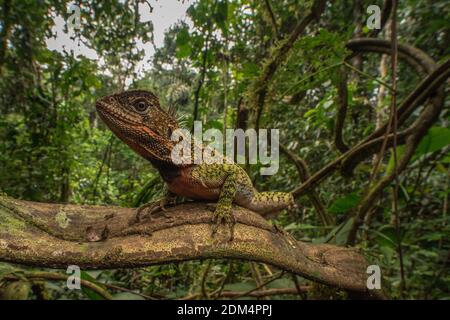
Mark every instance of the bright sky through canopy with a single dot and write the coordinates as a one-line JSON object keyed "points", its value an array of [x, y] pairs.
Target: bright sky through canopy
{"points": [[165, 14]]}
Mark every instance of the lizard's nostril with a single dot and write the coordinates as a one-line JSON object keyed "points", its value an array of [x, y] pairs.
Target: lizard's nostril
{"points": [[103, 103], [98, 105]]}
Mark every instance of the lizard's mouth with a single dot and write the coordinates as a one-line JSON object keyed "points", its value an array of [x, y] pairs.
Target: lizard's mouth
{"points": [[118, 122], [115, 116], [130, 130]]}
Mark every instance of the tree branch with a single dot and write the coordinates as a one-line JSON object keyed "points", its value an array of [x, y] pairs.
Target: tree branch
{"points": [[313, 196], [418, 129], [260, 86], [415, 57], [5, 32], [431, 86], [385, 13], [54, 235], [201, 79], [42, 275], [256, 294], [342, 105], [272, 19]]}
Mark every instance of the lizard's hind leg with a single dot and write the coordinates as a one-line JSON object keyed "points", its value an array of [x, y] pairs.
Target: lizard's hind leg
{"points": [[267, 202]]}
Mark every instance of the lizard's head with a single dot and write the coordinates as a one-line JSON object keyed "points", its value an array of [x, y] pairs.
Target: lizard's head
{"points": [[136, 117]]}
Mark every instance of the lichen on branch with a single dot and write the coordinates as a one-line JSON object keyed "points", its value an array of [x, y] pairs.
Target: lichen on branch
{"points": [[31, 234]]}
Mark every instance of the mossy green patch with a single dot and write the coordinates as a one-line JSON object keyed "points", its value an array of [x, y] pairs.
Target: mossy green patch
{"points": [[62, 219]]}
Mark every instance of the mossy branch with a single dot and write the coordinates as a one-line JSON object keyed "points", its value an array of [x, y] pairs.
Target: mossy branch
{"points": [[342, 106], [279, 54], [98, 237]]}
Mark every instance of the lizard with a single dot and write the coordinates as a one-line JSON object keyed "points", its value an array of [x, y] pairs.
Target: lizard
{"points": [[137, 118]]}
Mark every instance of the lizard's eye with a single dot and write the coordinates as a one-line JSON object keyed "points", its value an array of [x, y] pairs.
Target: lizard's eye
{"points": [[140, 106]]}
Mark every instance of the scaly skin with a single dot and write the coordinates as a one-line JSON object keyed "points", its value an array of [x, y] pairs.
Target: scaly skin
{"points": [[137, 119]]}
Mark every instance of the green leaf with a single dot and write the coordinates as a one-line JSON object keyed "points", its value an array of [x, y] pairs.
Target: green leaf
{"points": [[183, 51], [182, 37], [221, 16], [434, 236], [183, 44], [446, 159], [249, 69], [310, 113], [281, 283], [214, 124], [340, 233], [386, 236], [390, 166], [127, 296], [91, 294], [344, 204], [341, 236], [92, 81], [436, 139], [239, 286]]}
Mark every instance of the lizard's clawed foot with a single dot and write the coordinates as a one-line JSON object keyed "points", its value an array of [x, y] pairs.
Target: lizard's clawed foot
{"points": [[146, 211], [223, 214]]}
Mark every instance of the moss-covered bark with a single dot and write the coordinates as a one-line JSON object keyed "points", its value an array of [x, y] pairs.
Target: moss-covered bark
{"points": [[108, 237]]}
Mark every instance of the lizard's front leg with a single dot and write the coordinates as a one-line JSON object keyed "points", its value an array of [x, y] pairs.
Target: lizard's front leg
{"points": [[223, 212]]}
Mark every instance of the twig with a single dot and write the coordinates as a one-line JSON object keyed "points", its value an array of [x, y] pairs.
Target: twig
{"points": [[256, 294], [256, 274], [279, 275], [304, 174], [201, 80], [99, 173], [218, 292], [369, 76], [342, 102], [112, 286], [273, 21], [299, 289], [204, 278], [385, 13], [59, 277], [259, 88], [310, 76], [394, 116]]}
